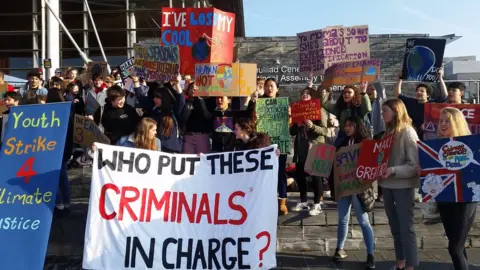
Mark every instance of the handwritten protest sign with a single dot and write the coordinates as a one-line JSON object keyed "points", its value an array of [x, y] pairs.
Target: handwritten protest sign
{"points": [[31, 159], [354, 72], [96, 68], [127, 69], [161, 62], [319, 49], [175, 223], [450, 169], [204, 35], [306, 110], [432, 116], [87, 132], [423, 58], [345, 166], [373, 161], [237, 79], [91, 104], [272, 118], [320, 160]]}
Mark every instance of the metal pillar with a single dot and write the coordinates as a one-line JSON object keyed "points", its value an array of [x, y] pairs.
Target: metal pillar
{"points": [[53, 30], [98, 37], [44, 37], [133, 26], [35, 56], [127, 18], [85, 27]]}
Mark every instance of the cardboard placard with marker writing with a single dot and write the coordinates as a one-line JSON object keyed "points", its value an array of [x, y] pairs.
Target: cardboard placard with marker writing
{"points": [[349, 73], [306, 110]]}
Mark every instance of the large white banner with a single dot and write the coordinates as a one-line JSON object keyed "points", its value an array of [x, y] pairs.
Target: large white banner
{"points": [[153, 210]]}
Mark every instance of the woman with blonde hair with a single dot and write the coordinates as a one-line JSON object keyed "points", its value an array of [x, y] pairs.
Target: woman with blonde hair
{"points": [[399, 181], [144, 136], [457, 218]]}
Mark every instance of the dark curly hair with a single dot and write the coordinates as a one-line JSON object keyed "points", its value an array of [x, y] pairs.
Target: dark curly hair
{"points": [[356, 101], [247, 125], [260, 140], [361, 131]]}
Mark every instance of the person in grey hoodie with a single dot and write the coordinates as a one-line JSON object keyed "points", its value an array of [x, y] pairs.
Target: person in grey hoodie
{"points": [[373, 120], [399, 181]]}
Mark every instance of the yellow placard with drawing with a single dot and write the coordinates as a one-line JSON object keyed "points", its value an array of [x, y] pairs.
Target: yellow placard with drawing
{"points": [[232, 80]]}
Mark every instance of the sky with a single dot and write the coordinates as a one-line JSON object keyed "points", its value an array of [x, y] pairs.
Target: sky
{"points": [[434, 17]]}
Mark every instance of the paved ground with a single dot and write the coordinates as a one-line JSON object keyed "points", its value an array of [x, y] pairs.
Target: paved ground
{"points": [[430, 260]]}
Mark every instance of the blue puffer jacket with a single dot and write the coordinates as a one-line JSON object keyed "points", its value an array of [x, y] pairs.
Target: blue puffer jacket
{"points": [[129, 141]]}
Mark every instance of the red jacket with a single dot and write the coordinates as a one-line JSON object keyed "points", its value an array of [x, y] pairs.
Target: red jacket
{"points": [[10, 88]]}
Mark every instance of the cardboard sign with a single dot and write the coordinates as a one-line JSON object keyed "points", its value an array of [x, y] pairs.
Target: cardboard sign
{"points": [[432, 115], [197, 212], [320, 160], [306, 110], [30, 162], [450, 169], [87, 132], [423, 58], [345, 166], [160, 62], [373, 161], [204, 35], [127, 69], [272, 118], [91, 104], [355, 72], [3, 90], [321, 48], [232, 80], [97, 68]]}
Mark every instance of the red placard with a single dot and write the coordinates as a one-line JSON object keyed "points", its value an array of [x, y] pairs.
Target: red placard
{"points": [[306, 110], [373, 158], [432, 114], [204, 35]]}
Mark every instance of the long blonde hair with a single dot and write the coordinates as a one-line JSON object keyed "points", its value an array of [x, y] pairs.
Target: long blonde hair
{"points": [[142, 135], [401, 119], [457, 120]]}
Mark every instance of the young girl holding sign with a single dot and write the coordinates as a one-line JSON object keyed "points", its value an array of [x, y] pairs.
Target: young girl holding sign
{"points": [[457, 218], [399, 182], [355, 132]]}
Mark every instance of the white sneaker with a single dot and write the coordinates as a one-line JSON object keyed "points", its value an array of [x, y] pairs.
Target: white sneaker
{"points": [[300, 207], [316, 210]]}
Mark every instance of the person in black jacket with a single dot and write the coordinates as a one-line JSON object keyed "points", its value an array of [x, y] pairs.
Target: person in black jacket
{"points": [[117, 118], [63, 198], [10, 99], [72, 94]]}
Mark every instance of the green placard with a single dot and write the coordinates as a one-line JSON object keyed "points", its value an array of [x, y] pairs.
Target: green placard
{"points": [[272, 118]]}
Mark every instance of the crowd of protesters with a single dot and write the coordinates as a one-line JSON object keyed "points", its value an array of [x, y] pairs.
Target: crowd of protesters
{"points": [[169, 117]]}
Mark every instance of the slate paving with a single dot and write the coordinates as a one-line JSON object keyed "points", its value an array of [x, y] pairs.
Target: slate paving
{"points": [[430, 260]]}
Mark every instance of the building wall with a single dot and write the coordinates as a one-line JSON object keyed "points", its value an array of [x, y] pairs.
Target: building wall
{"points": [[278, 57]]}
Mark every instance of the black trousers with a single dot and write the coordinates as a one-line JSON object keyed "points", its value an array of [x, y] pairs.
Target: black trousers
{"points": [[301, 179], [457, 219]]}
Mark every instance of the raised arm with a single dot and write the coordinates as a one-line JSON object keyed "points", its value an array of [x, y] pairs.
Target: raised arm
{"points": [[398, 86], [443, 87]]}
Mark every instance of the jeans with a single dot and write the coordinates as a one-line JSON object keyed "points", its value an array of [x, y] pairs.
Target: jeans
{"points": [[196, 143], [301, 179], [343, 207], [63, 194], [457, 219], [399, 209], [282, 177]]}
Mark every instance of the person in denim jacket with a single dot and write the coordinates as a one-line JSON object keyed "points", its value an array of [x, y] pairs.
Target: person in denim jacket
{"points": [[144, 137]]}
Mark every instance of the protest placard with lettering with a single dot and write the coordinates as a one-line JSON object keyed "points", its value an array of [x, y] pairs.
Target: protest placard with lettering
{"points": [[212, 212], [160, 62], [354, 72], [87, 132], [204, 35], [432, 115], [306, 110], [319, 49], [423, 58], [345, 166], [232, 80], [373, 161], [320, 160], [272, 118], [450, 169], [31, 159], [127, 69]]}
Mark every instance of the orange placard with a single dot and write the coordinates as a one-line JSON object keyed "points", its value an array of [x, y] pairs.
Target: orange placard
{"points": [[352, 72], [232, 80]]}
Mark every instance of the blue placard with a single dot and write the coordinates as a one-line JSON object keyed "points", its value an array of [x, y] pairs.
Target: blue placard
{"points": [[450, 169], [31, 159]]}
